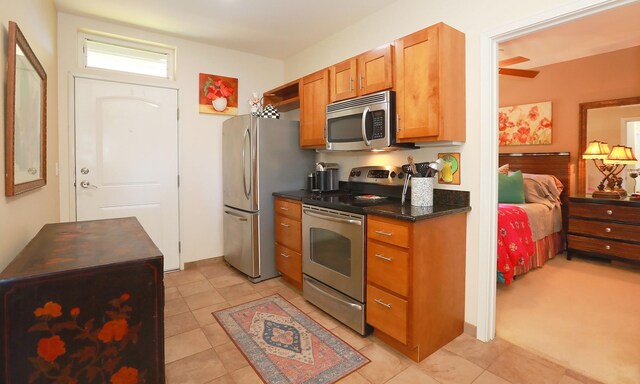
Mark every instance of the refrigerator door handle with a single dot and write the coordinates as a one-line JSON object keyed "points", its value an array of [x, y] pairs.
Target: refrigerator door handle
{"points": [[241, 218], [247, 191]]}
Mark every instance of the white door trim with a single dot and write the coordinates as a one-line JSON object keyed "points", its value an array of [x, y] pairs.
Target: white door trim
{"points": [[487, 245], [67, 191]]}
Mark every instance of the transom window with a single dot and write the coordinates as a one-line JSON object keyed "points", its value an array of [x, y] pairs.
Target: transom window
{"points": [[108, 53]]}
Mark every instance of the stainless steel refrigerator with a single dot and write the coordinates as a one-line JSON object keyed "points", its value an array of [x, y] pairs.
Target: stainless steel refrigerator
{"points": [[259, 156]]}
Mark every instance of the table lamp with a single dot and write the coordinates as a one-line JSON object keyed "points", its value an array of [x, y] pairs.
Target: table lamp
{"points": [[611, 163]]}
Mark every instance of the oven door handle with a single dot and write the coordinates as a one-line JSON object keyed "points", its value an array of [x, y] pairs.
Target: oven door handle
{"points": [[352, 305], [331, 218]]}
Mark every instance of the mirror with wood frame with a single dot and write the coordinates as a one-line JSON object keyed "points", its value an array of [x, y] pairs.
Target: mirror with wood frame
{"points": [[26, 117], [613, 121]]}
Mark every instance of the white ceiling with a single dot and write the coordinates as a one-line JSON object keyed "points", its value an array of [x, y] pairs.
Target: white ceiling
{"points": [[281, 28], [273, 28], [603, 32]]}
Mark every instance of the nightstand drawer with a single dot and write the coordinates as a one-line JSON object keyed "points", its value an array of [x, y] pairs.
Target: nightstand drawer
{"points": [[606, 212], [604, 247], [604, 229]]}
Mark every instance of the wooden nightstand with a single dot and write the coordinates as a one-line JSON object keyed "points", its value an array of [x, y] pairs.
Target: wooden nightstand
{"points": [[604, 228]]}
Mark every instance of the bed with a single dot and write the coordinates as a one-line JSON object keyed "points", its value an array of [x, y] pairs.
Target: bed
{"points": [[532, 232]]}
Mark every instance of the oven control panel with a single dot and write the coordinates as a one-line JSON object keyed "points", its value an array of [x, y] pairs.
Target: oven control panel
{"points": [[378, 174]]}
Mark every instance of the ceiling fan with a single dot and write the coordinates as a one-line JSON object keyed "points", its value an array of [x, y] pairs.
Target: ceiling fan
{"points": [[516, 72]]}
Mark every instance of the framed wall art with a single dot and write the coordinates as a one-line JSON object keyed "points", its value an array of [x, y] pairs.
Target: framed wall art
{"points": [[527, 124], [450, 173], [218, 94], [26, 117]]}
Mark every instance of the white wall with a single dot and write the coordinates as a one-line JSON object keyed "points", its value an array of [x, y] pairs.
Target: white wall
{"points": [[200, 134], [22, 216], [401, 18]]}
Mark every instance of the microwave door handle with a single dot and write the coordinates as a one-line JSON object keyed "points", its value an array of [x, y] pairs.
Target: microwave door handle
{"points": [[367, 142]]}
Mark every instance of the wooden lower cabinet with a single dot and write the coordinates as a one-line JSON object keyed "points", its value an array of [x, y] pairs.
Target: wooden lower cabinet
{"points": [[84, 303], [288, 236], [416, 281]]}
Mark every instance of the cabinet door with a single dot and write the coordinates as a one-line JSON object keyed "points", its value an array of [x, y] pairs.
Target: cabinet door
{"points": [[417, 85], [430, 85], [314, 97], [375, 70], [342, 77]]}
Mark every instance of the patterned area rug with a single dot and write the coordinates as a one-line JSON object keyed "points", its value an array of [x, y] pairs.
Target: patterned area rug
{"points": [[286, 346]]}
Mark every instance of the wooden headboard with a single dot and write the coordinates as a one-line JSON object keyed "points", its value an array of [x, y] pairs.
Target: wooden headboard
{"points": [[547, 163]]}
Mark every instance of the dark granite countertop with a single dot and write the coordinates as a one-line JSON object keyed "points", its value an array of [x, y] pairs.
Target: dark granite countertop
{"points": [[447, 202]]}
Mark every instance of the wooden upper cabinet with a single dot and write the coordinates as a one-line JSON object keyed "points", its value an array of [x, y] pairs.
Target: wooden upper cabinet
{"points": [[367, 73], [430, 85], [314, 97]]}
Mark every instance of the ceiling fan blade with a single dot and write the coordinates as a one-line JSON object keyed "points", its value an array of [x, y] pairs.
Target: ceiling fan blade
{"points": [[518, 72], [512, 61]]}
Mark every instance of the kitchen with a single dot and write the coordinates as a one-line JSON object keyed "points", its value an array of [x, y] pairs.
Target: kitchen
{"points": [[197, 135]]}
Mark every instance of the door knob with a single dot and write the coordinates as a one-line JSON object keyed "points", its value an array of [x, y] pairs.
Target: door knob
{"points": [[84, 171], [86, 184]]}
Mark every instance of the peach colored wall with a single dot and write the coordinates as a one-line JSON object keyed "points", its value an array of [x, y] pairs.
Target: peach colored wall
{"points": [[602, 77]]}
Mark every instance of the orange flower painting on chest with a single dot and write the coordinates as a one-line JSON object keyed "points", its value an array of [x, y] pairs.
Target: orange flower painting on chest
{"points": [[75, 349]]}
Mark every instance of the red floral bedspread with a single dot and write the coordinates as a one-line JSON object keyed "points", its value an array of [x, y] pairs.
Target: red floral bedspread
{"points": [[515, 244]]}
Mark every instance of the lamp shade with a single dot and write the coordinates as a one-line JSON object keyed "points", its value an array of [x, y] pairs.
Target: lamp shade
{"points": [[596, 150], [621, 155]]}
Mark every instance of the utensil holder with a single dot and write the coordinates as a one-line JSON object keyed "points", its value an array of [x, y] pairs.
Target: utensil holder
{"points": [[422, 191]]}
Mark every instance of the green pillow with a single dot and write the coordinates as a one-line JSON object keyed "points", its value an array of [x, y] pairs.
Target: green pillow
{"points": [[511, 188]]}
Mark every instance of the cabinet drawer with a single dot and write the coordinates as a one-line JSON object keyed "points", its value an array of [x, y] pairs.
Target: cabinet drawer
{"points": [[604, 247], [389, 231], [605, 229], [289, 263], [289, 208], [388, 267], [288, 232], [387, 313], [606, 212]]}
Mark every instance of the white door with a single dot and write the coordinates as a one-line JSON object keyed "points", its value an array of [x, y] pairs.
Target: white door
{"points": [[126, 144]]}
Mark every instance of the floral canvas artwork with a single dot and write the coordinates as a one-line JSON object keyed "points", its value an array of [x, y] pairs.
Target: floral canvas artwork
{"points": [[527, 124], [218, 94]]}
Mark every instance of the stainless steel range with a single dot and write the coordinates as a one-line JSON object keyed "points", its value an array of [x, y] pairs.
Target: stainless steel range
{"points": [[334, 242]]}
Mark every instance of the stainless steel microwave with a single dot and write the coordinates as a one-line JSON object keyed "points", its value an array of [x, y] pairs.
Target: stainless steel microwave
{"points": [[363, 123]]}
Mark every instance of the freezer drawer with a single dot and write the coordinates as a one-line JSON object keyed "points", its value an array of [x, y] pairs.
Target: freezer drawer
{"points": [[242, 241]]}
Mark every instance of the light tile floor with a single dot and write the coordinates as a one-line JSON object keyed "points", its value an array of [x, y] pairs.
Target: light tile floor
{"points": [[198, 351]]}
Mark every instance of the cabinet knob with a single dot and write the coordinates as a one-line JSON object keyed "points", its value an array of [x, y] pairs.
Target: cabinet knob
{"points": [[607, 247], [284, 255], [285, 225], [607, 229], [383, 257], [284, 208], [383, 233], [609, 212]]}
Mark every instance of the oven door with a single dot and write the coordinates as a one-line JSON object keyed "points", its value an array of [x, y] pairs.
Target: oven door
{"points": [[333, 249]]}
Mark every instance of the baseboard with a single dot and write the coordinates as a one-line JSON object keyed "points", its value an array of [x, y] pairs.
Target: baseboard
{"points": [[470, 329]]}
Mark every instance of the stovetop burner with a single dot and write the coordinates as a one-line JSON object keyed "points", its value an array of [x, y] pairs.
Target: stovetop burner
{"points": [[368, 186]]}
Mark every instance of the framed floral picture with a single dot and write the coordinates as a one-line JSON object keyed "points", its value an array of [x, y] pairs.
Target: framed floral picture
{"points": [[527, 124], [218, 94]]}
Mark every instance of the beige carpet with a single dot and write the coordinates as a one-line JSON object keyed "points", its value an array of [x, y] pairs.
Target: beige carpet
{"points": [[584, 314]]}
